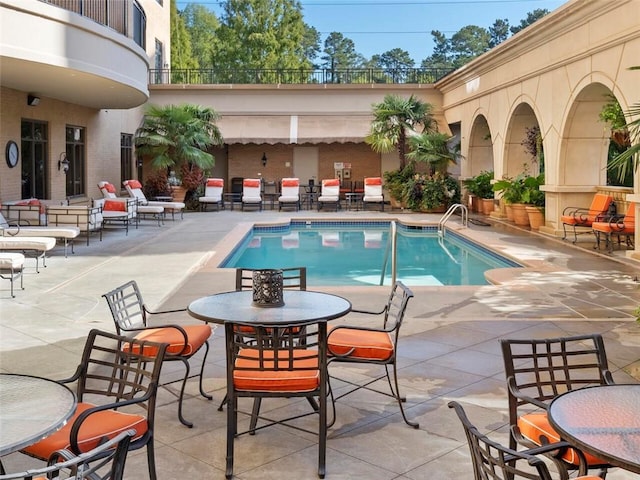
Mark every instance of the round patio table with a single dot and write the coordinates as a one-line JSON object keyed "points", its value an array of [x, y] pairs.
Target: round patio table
{"points": [[30, 409], [603, 421], [300, 306]]}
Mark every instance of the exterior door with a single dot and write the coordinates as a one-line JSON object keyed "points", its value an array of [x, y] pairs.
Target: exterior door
{"points": [[305, 164], [34, 138]]}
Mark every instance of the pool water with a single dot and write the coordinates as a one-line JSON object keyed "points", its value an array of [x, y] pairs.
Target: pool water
{"points": [[359, 253]]}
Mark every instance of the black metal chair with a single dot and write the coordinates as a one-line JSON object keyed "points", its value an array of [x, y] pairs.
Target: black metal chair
{"points": [[375, 346], [131, 317], [294, 277], [105, 462], [493, 461], [122, 371], [539, 370], [274, 363]]}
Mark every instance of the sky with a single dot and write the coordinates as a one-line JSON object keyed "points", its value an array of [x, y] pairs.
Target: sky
{"points": [[377, 26]]}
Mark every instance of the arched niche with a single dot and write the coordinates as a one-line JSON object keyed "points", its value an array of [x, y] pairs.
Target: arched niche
{"points": [[480, 154], [516, 157]]}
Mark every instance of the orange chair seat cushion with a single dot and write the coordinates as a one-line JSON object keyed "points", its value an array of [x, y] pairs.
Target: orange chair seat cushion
{"points": [[305, 378], [575, 220], [607, 227], [365, 344], [535, 425], [106, 424], [196, 336]]}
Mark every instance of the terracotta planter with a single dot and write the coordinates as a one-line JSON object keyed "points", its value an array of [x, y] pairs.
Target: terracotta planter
{"points": [[487, 205], [536, 217], [178, 193], [520, 216], [508, 208]]}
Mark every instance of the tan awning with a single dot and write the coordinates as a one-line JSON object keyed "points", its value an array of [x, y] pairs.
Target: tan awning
{"points": [[272, 129]]}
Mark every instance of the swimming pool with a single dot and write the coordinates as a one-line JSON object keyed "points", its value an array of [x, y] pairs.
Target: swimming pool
{"points": [[357, 253]]}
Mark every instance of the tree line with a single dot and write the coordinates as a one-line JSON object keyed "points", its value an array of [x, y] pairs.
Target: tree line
{"points": [[272, 34]]}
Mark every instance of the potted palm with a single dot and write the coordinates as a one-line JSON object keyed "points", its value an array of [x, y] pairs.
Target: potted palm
{"points": [[511, 190], [176, 138], [533, 198], [480, 188]]}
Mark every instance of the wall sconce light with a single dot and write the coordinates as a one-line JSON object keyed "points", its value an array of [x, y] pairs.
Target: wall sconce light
{"points": [[264, 159], [32, 100], [63, 163]]}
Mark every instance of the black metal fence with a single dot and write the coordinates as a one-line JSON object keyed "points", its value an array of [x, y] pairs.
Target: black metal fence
{"points": [[296, 76]]}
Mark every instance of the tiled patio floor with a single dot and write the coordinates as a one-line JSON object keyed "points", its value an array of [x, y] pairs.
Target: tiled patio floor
{"points": [[449, 346]]}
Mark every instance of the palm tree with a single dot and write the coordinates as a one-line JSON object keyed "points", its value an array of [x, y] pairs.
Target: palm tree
{"points": [[433, 149], [178, 136], [395, 119]]}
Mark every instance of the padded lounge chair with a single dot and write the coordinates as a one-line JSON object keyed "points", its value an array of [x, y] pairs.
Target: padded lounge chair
{"points": [[373, 192], [15, 229], [213, 189], [109, 193], [36, 246], [11, 265], [618, 226], [87, 218], [575, 217], [134, 188], [290, 194], [251, 193], [330, 193]]}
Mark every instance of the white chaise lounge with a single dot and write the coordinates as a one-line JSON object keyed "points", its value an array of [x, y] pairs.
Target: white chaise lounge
{"points": [[14, 229], [11, 265], [32, 246], [134, 188], [138, 209]]}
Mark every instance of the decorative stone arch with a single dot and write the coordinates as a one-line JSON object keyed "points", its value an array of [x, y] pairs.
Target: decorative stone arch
{"points": [[479, 155], [515, 159]]}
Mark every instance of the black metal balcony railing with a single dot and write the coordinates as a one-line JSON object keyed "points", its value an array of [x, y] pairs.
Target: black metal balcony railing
{"points": [[296, 76], [109, 14]]}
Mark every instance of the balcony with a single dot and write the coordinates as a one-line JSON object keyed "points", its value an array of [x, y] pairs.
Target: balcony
{"points": [[73, 58]]}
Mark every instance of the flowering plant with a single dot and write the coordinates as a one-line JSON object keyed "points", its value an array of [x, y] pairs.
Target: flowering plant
{"points": [[429, 191]]}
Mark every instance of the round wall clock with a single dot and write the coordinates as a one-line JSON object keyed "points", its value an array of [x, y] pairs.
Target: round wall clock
{"points": [[12, 153]]}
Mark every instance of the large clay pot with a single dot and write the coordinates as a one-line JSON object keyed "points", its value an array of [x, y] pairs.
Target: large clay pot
{"points": [[508, 208], [520, 216], [487, 205], [536, 217]]}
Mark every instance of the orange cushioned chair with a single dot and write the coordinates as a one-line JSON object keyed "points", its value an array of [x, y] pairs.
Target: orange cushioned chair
{"points": [[275, 362], [539, 370], [130, 316], [376, 346], [493, 461], [616, 226], [575, 217], [373, 192], [213, 189], [105, 462], [124, 377], [330, 193]]}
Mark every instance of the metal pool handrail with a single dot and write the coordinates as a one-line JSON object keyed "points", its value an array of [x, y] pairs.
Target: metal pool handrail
{"points": [[464, 213], [391, 246]]}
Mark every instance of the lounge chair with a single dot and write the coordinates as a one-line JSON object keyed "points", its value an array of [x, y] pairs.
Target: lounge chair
{"points": [[251, 194], [373, 192], [87, 218], [330, 193], [212, 194], [36, 246], [15, 229], [29, 211], [109, 193], [575, 217], [290, 194], [618, 226], [117, 211], [134, 188], [11, 265]]}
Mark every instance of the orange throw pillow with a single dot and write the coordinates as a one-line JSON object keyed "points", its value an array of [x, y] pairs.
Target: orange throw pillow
{"points": [[114, 206], [215, 182]]}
